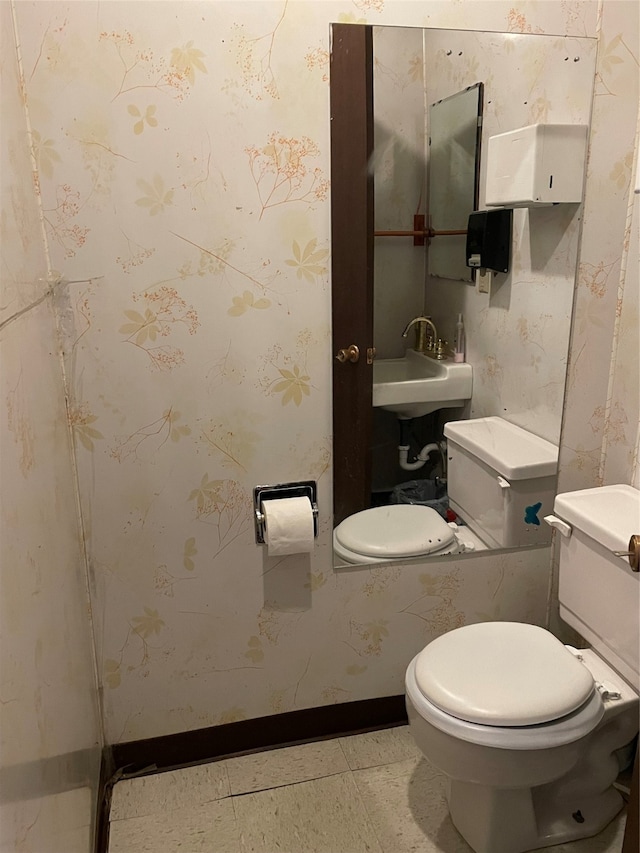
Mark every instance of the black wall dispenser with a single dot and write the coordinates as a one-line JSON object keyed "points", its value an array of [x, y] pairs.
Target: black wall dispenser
{"points": [[489, 239]]}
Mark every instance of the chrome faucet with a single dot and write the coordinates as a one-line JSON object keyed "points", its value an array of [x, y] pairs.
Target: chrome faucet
{"points": [[424, 343]]}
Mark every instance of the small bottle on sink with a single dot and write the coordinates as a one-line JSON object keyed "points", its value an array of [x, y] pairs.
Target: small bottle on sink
{"points": [[458, 353]]}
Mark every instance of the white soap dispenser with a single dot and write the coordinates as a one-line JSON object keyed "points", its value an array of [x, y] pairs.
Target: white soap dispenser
{"points": [[458, 354]]}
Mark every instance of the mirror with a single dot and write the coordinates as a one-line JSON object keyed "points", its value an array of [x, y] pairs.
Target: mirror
{"points": [[424, 162], [518, 328], [455, 132]]}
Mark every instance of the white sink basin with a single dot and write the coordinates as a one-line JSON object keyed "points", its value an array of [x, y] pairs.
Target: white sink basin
{"points": [[417, 384]]}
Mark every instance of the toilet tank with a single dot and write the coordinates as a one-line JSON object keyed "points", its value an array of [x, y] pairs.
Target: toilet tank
{"points": [[599, 593], [501, 480]]}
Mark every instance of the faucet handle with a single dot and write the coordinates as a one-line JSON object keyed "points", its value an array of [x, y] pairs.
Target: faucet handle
{"points": [[440, 349]]}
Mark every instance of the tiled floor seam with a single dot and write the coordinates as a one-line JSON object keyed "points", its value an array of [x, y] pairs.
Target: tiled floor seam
{"points": [[233, 794], [179, 808], [349, 769], [367, 813], [290, 784]]}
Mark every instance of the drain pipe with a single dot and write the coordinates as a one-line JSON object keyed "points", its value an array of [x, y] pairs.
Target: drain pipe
{"points": [[421, 458], [404, 447]]}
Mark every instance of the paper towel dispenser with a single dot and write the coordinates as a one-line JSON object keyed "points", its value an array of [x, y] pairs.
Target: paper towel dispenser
{"points": [[489, 239], [536, 166]]}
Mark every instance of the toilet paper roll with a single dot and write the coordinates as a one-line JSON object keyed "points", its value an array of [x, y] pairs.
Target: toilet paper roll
{"points": [[288, 526]]}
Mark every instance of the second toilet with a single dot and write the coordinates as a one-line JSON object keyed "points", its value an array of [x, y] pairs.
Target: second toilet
{"points": [[501, 483]]}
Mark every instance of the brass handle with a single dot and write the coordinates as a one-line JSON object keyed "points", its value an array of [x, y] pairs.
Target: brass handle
{"points": [[633, 553], [351, 353]]}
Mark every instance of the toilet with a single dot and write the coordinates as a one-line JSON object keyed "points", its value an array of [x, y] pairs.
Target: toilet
{"points": [[530, 732], [501, 480], [400, 532]]}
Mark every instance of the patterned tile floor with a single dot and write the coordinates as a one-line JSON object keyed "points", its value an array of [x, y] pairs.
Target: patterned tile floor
{"points": [[369, 793]]}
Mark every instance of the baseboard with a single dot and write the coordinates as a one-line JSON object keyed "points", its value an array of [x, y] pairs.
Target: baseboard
{"points": [[277, 730]]}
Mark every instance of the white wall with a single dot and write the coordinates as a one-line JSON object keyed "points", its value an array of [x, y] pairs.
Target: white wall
{"points": [[518, 334], [399, 165]]}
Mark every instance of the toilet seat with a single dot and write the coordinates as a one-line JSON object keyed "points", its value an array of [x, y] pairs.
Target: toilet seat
{"points": [[400, 531], [355, 558], [502, 674], [556, 733]]}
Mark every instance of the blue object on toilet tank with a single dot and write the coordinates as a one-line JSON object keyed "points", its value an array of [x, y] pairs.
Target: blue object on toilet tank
{"points": [[531, 513]]}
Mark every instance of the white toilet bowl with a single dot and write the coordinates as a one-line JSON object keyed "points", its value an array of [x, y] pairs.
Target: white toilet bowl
{"points": [[524, 731], [400, 532]]}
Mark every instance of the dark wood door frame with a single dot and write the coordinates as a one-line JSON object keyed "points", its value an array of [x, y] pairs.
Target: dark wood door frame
{"points": [[351, 98]]}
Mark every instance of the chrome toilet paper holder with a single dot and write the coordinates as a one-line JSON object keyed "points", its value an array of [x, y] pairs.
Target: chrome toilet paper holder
{"points": [[303, 489]]}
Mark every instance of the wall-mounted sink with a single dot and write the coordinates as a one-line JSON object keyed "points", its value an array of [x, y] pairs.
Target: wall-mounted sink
{"points": [[417, 385]]}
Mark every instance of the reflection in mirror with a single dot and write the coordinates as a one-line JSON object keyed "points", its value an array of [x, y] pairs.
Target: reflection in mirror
{"points": [[399, 171], [455, 129], [517, 325]]}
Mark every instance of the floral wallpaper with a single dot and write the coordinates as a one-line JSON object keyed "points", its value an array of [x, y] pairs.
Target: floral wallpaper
{"points": [[622, 411], [600, 429], [621, 454], [182, 174], [50, 726]]}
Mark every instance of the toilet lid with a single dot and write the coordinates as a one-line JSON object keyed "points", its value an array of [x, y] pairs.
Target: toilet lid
{"points": [[502, 674], [402, 530], [355, 558]]}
